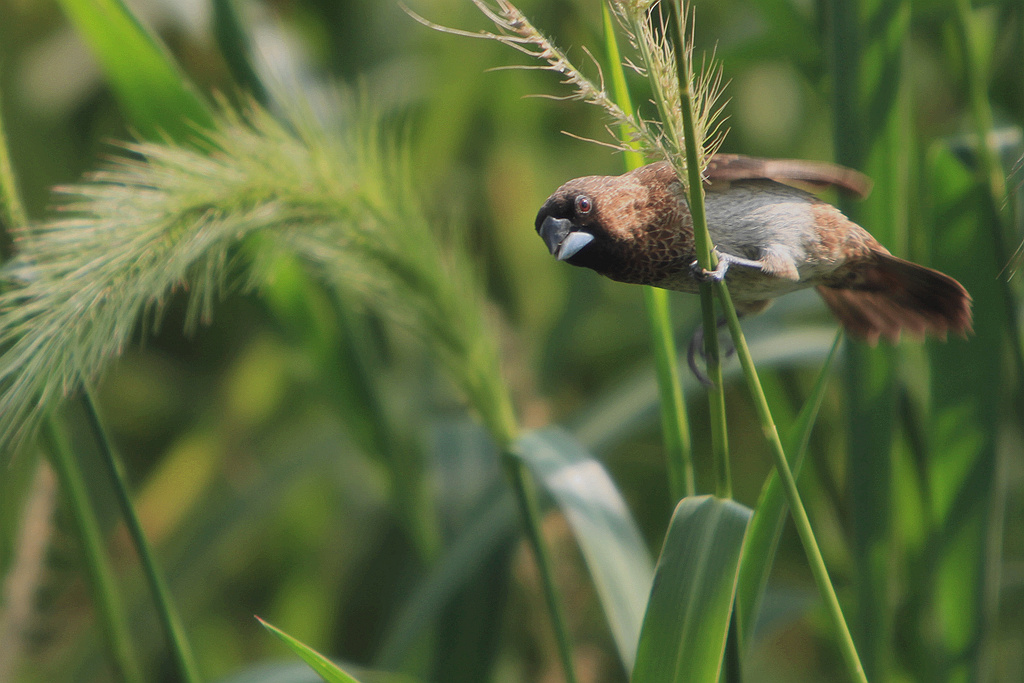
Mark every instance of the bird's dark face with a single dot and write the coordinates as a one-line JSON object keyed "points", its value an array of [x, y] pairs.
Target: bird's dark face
{"points": [[620, 226], [570, 222]]}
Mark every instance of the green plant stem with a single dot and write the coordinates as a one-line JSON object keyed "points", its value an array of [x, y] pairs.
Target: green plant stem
{"points": [[803, 524], [716, 393], [175, 632], [108, 601], [495, 405], [674, 425], [72, 482], [707, 260], [762, 540], [529, 508], [12, 212]]}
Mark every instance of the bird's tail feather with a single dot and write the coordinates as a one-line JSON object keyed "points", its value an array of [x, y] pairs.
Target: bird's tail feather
{"points": [[891, 295]]}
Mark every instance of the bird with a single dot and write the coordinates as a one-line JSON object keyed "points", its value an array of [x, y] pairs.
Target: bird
{"points": [[772, 236]]}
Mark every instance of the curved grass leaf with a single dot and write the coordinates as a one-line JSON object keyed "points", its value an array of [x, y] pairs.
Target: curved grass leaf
{"points": [[291, 671], [327, 669], [236, 47], [608, 537], [158, 100], [688, 614], [273, 672]]}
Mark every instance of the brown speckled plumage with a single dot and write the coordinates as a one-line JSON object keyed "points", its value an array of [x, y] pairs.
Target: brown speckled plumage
{"points": [[637, 228]]}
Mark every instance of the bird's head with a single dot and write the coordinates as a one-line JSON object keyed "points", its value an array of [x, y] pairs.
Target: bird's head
{"points": [[614, 224]]}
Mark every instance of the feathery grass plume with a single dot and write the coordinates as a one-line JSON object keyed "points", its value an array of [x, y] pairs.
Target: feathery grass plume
{"points": [[650, 35], [164, 218], [647, 30], [516, 31]]}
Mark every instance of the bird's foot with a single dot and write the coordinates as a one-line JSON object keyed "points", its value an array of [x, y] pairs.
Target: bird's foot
{"points": [[725, 261], [697, 347], [701, 274]]}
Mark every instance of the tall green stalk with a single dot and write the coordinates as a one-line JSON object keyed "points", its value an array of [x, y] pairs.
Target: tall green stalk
{"points": [[691, 177], [529, 509], [72, 481], [702, 241], [797, 511], [109, 606], [495, 407], [12, 213], [494, 404], [181, 650], [706, 259], [674, 425]]}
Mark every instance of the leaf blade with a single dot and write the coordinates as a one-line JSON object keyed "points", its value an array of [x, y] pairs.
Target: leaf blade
{"points": [[688, 614], [158, 100], [324, 667], [608, 537]]}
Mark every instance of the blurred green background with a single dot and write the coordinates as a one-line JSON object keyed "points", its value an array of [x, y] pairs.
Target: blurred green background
{"points": [[270, 486]]}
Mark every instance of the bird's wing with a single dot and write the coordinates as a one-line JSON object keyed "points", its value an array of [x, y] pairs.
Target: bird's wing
{"points": [[814, 175]]}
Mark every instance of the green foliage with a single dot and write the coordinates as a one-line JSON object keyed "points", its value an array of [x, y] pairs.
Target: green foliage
{"points": [[607, 535], [157, 98], [327, 669], [688, 614], [301, 453], [201, 219]]}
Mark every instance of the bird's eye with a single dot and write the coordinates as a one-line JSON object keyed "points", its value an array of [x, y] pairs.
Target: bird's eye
{"points": [[583, 205]]}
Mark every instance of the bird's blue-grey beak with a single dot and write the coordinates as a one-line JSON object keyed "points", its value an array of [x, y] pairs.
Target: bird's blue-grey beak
{"points": [[563, 242]]}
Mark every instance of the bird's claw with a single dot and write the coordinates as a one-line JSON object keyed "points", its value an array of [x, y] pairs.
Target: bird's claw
{"points": [[725, 261], [701, 274], [697, 346]]}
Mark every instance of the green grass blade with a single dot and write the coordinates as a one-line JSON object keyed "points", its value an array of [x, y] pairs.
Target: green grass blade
{"points": [[276, 671], [606, 532], [167, 613], [816, 561], [236, 48], [766, 526], [327, 669], [12, 212], [158, 100], [101, 575], [687, 620], [675, 428]]}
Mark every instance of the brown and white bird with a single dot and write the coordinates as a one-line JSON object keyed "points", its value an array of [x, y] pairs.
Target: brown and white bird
{"points": [[771, 236]]}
